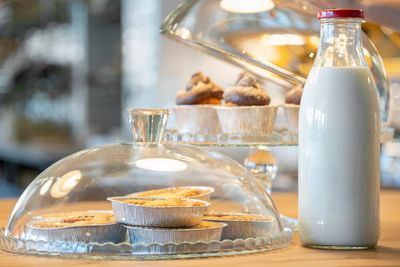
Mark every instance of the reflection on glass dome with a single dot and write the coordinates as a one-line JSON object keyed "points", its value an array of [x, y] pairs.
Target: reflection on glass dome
{"points": [[65, 184], [161, 164]]}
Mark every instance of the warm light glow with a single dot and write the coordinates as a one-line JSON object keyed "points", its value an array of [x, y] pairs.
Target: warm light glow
{"points": [[161, 164], [65, 184], [276, 39], [247, 6], [314, 40], [183, 33], [45, 187]]}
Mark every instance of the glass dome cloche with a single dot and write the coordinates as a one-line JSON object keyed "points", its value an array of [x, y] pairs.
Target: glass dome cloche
{"points": [[275, 39], [145, 200]]}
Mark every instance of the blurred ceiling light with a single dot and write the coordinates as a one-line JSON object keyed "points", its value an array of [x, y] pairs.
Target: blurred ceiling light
{"points": [[386, 30], [247, 6], [314, 40], [65, 184], [161, 164], [276, 39]]}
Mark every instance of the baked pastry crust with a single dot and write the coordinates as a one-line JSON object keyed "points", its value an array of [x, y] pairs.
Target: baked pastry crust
{"points": [[169, 202], [235, 217], [200, 90], [246, 92], [87, 220], [175, 192], [74, 214], [205, 224]]}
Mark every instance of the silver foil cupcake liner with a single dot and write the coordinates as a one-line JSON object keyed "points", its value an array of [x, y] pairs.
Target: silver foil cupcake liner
{"points": [[248, 120], [292, 117], [157, 216], [205, 196], [197, 119], [113, 232], [237, 229], [150, 235]]}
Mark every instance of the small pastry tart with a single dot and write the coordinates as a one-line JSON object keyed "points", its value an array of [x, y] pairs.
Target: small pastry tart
{"points": [[193, 192], [169, 212], [241, 226], [169, 202], [73, 214], [85, 229]]}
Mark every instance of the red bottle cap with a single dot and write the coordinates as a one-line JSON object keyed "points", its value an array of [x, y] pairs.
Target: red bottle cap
{"points": [[340, 13]]}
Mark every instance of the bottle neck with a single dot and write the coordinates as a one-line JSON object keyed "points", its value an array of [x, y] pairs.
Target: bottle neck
{"points": [[340, 44]]}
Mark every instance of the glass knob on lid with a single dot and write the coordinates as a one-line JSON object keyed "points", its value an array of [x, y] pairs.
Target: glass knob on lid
{"points": [[148, 125]]}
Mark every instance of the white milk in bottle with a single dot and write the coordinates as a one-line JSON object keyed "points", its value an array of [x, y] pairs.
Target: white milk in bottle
{"points": [[339, 131]]}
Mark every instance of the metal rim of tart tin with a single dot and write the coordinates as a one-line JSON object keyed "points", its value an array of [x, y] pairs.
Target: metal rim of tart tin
{"points": [[205, 196]]}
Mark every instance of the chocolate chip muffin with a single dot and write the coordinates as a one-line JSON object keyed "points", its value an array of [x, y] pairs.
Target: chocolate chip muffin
{"points": [[200, 90], [246, 92]]}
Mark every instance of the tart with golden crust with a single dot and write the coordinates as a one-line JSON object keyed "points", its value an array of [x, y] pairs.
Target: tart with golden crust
{"points": [[235, 217], [241, 226], [200, 192], [85, 220], [100, 227], [153, 212], [169, 202], [73, 214]]}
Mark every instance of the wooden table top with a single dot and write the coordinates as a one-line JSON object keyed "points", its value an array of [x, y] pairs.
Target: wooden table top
{"points": [[387, 253]]}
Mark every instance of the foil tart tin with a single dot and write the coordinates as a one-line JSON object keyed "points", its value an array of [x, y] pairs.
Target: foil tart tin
{"points": [[157, 216], [113, 232], [237, 229], [150, 235], [205, 196], [72, 214]]}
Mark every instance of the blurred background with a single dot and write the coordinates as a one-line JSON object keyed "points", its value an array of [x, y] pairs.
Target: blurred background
{"points": [[70, 69]]}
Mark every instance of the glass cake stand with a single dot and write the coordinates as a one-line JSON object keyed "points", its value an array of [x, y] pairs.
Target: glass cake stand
{"points": [[264, 168]]}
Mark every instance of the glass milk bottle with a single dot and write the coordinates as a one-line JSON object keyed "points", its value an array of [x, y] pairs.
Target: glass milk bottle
{"points": [[339, 131]]}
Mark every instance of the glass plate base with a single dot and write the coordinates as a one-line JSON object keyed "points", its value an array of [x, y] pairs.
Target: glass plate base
{"points": [[149, 251]]}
